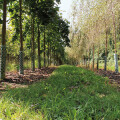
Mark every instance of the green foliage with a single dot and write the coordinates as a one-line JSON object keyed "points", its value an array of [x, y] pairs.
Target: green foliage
{"points": [[94, 24], [71, 93], [45, 14]]}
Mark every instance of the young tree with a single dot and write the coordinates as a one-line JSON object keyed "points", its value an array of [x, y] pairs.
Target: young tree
{"points": [[3, 47], [33, 45], [21, 69], [114, 32], [39, 57], [44, 47]]}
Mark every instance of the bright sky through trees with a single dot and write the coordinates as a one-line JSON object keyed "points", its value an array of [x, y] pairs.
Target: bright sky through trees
{"points": [[65, 8]]}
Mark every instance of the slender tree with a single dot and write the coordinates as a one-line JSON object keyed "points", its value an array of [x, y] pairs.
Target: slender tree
{"points": [[44, 48], [39, 57], [93, 57], [33, 47], [114, 32], [106, 41], [3, 47], [48, 52], [21, 70], [98, 58]]}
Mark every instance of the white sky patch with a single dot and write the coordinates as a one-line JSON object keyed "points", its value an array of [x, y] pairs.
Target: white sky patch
{"points": [[65, 8]]}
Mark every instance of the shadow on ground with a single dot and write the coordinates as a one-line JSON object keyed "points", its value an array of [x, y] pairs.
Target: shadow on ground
{"points": [[14, 80]]}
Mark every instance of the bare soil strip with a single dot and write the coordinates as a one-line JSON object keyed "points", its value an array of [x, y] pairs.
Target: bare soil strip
{"points": [[114, 78], [14, 80]]}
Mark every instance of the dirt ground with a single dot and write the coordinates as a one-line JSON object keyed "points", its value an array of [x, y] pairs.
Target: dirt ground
{"points": [[14, 80], [114, 78]]}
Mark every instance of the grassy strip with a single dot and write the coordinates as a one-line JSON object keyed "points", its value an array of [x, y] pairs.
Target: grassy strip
{"points": [[109, 67], [71, 93]]}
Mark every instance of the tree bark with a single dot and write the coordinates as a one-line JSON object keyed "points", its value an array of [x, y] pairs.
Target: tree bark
{"points": [[54, 54], [3, 47], [114, 27], [44, 49], [93, 57], [33, 47], [98, 58], [89, 58], [105, 58], [21, 70], [39, 57], [48, 53]]}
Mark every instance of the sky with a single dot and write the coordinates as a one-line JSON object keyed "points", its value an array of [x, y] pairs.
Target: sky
{"points": [[65, 8]]}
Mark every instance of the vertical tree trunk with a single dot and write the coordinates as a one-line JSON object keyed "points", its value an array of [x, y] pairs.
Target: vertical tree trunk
{"points": [[114, 27], [105, 58], [21, 69], [3, 47], [86, 59], [89, 59], [39, 57], [98, 58], [48, 53], [44, 49], [54, 54], [33, 49], [93, 58]]}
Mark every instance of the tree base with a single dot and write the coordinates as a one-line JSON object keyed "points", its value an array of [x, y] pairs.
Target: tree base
{"points": [[3, 62], [21, 69], [116, 63]]}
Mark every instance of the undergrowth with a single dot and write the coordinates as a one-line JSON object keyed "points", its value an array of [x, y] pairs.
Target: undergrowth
{"points": [[71, 93], [14, 65]]}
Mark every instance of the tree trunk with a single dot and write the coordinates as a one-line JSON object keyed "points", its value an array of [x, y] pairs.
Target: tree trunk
{"points": [[48, 53], [105, 58], [33, 49], [21, 69], [54, 54], [86, 60], [93, 58], [39, 57], [114, 26], [98, 58], [44, 49], [89, 59], [3, 47]]}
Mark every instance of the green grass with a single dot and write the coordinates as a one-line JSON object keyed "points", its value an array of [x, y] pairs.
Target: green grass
{"points": [[71, 93], [14, 66], [109, 66]]}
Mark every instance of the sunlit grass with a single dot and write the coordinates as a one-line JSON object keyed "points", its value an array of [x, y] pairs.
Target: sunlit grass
{"points": [[71, 93], [14, 66], [109, 66]]}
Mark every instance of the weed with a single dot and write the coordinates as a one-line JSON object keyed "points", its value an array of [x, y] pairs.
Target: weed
{"points": [[70, 93]]}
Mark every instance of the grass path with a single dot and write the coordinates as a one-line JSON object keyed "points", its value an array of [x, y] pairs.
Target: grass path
{"points": [[70, 93]]}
